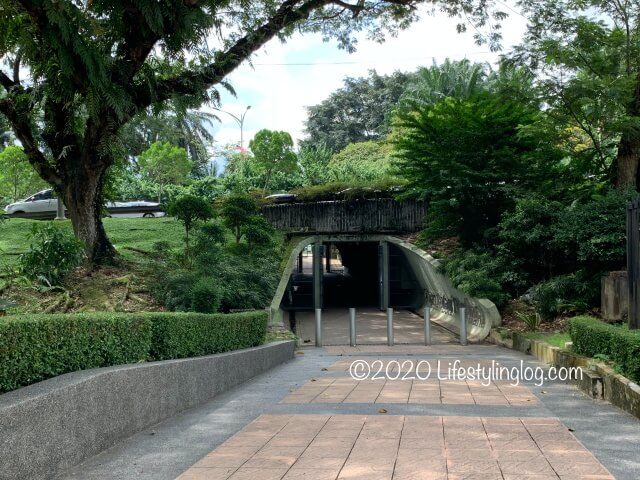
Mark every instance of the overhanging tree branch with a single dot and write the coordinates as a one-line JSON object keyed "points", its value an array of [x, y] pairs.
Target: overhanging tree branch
{"points": [[289, 13], [6, 82], [22, 128]]}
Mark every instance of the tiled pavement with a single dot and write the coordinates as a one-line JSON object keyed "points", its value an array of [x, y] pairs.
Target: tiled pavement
{"points": [[401, 447], [411, 430], [322, 447]]}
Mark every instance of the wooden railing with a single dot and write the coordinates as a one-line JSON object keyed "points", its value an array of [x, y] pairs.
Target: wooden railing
{"points": [[348, 216]]}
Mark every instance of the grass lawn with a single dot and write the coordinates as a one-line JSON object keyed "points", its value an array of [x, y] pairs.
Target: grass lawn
{"points": [[125, 233], [555, 339]]}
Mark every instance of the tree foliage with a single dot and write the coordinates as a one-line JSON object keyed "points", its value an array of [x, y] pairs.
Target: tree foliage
{"points": [[587, 60], [164, 164], [238, 212], [93, 66], [357, 112], [189, 210], [429, 85], [361, 162], [17, 177], [471, 158], [273, 153]]}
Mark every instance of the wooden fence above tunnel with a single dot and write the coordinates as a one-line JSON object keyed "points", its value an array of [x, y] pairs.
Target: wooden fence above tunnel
{"points": [[383, 215]]}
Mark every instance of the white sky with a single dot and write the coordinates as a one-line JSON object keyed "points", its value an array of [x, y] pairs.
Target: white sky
{"points": [[278, 90]]}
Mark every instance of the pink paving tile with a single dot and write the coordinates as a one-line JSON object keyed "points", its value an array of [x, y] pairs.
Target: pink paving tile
{"points": [[245, 473], [395, 447]]}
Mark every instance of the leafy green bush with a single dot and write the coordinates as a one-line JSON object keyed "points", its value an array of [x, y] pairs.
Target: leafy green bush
{"points": [[173, 287], [478, 275], [183, 290], [527, 235], [189, 210], [53, 254], [37, 347], [594, 233], [592, 337], [570, 293], [190, 335], [248, 280], [205, 296]]}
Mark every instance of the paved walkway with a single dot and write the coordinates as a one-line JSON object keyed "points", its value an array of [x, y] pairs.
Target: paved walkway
{"points": [[308, 419], [371, 328]]}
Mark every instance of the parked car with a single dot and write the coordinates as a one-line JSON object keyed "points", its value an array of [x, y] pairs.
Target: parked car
{"points": [[43, 201], [46, 201]]}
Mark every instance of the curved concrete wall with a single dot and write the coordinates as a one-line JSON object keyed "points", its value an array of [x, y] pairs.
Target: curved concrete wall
{"points": [[425, 268], [53, 425]]}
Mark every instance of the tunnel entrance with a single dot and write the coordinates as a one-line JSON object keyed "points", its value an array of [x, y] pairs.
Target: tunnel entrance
{"points": [[360, 274]]}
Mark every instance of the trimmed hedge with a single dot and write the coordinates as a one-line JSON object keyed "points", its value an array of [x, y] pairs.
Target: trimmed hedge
{"points": [[592, 337], [180, 335], [37, 347]]}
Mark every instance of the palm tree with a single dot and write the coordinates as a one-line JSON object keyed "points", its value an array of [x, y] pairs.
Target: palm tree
{"points": [[457, 78], [189, 129]]}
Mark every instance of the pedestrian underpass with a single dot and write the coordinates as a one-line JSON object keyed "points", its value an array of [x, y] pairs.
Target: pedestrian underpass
{"points": [[388, 282]]}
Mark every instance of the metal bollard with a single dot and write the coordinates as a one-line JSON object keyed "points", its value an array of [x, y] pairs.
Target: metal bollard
{"points": [[463, 326], [390, 327], [318, 327], [427, 325], [352, 327]]}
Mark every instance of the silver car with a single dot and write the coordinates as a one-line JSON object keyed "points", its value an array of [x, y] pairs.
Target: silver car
{"points": [[46, 202]]}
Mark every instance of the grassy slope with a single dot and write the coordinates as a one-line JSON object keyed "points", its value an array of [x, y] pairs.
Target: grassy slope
{"points": [[138, 233], [555, 339]]}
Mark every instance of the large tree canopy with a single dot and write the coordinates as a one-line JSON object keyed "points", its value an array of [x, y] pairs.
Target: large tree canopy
{"points": [[357, 112], [472, 158], [586, 56], [93, 65]]}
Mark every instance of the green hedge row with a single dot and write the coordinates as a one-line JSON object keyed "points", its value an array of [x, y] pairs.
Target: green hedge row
{"points": [[592, 337], [36, 347]]}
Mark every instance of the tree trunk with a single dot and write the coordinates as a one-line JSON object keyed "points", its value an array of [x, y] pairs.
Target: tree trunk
{"points": [[628, 161], [83, 197]]}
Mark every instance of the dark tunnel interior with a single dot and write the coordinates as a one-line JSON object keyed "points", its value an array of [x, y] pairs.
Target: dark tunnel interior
{"points": [[352, 278]]}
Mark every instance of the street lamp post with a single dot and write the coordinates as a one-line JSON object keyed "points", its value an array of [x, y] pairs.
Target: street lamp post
{"points": [[240, 121]]}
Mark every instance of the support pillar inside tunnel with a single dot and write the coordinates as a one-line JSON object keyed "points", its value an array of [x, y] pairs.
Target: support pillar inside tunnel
{"points": [[383, 259]]}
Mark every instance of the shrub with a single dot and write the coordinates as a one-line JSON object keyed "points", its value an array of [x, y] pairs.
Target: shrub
{"points": [[478, 275], [593, 337], [570, 293], [52, 255], [173, 288], [37, 347], [238, 211], [595, 232], [189, 210], [527, 234], [248, 281], [191, 334], [205, 296]]}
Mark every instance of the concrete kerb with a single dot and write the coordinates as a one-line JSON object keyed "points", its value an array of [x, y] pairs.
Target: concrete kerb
{"points": [[53, 425], [426, 269]]}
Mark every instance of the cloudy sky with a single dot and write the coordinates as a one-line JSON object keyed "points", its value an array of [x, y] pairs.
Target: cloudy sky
{"points": [[286, 78]]}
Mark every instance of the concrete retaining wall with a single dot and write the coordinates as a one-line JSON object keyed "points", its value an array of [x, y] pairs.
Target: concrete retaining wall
{"points": [[598, 379], [53, 425]]}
